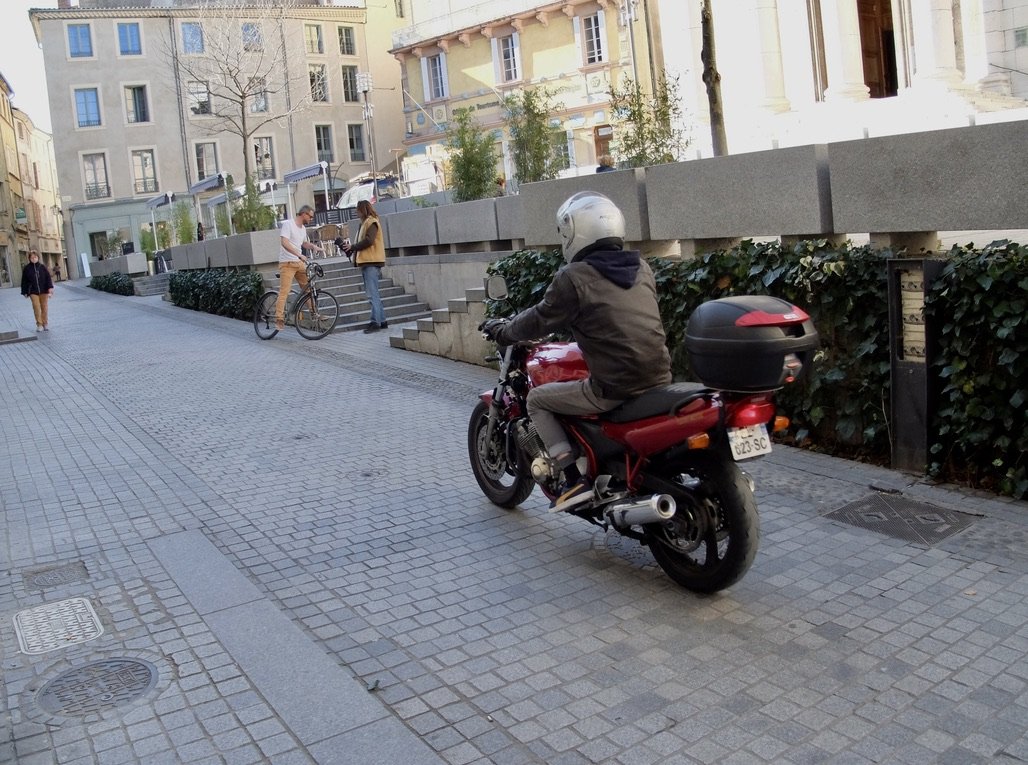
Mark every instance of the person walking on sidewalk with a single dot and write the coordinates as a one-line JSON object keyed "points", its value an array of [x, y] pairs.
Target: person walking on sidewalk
{"points": [[291, 260], [37, 286], [370, 251]]}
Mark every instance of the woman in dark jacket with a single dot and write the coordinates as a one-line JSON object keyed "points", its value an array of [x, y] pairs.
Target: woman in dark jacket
{"points": [[37, 285]]}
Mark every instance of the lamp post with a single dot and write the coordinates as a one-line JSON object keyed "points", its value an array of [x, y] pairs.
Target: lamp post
{"points": [[364, 85]]}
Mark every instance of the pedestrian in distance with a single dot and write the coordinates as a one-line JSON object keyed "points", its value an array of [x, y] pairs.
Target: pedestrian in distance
{"points": [[37, 286], [369, 250], [606, 164], [199, 231], [291, 260], [57, 272]]}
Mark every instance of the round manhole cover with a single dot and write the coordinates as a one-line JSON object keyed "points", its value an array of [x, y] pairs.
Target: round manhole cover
{"points": [[97, 686]]}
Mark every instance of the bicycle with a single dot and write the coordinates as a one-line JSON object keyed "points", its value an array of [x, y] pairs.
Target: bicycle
{"points": [[314, 312]]}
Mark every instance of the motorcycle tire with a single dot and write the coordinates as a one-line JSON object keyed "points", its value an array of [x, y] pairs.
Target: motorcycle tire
{"points": [[714, 554], [504, 484]]}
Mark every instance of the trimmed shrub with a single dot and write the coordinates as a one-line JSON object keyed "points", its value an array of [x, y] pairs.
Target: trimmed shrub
{"points": [[224, 293], [116, 283]]}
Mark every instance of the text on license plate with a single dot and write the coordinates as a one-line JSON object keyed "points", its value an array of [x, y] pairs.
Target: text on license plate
{"points": [[749, 442]]}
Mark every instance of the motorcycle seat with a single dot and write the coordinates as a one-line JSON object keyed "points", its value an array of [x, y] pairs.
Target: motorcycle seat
{"points": [[653, 403]]}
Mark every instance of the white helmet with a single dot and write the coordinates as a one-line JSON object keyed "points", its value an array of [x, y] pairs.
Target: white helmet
{"points": [[589, 218]]}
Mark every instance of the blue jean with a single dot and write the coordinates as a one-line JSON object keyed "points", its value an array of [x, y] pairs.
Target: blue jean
{"points": [[371, 275]]}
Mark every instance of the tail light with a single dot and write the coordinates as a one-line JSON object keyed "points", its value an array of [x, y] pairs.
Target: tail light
{"points": [[791, 368]]}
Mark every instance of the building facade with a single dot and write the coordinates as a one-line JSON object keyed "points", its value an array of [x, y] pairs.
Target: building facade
{"points": [[41, 198], [14, 241], [470, 56], [158, 96], [793, 72]]}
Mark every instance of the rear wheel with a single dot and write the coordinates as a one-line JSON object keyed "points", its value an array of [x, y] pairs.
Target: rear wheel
{"points": [[504, 484], [316, 315], [264, 316], [712, 540]]}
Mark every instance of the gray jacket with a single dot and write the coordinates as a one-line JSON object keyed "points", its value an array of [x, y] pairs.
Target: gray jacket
{"points": [[608, 300]]}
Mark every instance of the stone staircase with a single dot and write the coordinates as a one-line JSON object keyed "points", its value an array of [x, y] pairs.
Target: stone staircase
{"points": [[145, 286], [13, 336], [345, 282], [451, 332]]}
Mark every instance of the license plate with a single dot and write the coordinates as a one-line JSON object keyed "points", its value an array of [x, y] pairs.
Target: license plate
{"points": [[749, 442]]}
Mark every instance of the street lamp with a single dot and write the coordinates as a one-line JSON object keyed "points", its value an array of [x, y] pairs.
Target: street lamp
{"points": [[364, 85]]}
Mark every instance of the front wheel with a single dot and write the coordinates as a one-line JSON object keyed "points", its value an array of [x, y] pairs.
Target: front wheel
{"points": [[504, 484], [711, 541], [264, 316], [316, 315]]}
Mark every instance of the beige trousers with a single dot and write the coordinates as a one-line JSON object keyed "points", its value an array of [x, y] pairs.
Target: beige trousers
{"points": [[39, 305]]}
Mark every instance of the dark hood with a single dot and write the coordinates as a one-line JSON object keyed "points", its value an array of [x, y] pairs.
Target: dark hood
{"points": [[617, 266]]}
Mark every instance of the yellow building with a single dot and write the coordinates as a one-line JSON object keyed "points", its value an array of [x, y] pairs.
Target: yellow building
{"points": [[471, 58]]}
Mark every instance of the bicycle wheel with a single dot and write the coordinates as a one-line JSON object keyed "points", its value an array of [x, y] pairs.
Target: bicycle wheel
{"points": [[316, 314], [264, 316]]}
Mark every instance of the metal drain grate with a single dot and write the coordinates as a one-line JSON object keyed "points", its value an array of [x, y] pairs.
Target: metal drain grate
{"points": [[56, 625], [902, 518], [52, 576], [97, 686]]}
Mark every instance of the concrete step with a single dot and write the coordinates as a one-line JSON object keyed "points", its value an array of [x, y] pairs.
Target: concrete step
{"points": [[9, 336]]}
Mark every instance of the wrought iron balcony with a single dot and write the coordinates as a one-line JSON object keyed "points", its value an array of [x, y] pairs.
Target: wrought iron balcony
{"points": [[146, 185], [97, 190]]}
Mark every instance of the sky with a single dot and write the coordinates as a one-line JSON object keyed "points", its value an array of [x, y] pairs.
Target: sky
{"points": [[21, 60]]}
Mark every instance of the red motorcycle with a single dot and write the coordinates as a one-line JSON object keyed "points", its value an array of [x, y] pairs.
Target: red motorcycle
{"points": [[664, 465]]}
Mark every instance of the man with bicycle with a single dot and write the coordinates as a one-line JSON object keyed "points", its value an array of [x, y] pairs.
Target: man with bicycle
{"points": [[291, 260]]}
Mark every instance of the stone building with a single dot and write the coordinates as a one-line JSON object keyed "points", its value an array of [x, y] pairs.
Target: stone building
{"points": [[41, 198], [162, 96], [14, 242]]}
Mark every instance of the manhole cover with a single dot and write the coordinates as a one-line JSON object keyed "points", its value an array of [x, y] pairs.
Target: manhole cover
{"points": [[97, 686], [52, 576], [56, 625], [902, 518]]}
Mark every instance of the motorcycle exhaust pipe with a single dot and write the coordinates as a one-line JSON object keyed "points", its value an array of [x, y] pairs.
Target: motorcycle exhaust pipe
{"points": [[659, 507]]}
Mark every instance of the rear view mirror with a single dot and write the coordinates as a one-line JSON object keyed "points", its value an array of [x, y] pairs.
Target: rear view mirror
{"points": [[496, 287]]}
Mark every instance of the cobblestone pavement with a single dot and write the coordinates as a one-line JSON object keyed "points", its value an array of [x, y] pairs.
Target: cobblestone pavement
{"points": [[290, 562]]}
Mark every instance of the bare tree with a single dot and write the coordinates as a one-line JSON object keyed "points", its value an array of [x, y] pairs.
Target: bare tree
{"points": [[232, 65], [712, 79]]}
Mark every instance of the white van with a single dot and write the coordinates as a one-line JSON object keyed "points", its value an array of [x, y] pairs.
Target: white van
{"points": [[388, 187]]}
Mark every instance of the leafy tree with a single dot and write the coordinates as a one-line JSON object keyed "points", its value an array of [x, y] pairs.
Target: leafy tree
{"points": [[163, 235], [183, 223], [472, 158], [646, 128], [712, 80], [243, 67], [252, 214], [147, 241], [533, 138]]}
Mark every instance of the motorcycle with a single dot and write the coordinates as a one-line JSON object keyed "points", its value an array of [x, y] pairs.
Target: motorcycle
{"points": [[664, 465]]}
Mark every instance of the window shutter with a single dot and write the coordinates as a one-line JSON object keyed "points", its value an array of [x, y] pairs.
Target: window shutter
{"points": [[427, 85], [576, 25], [445, 76], [602, 30], [497, 62], [516, 40]]}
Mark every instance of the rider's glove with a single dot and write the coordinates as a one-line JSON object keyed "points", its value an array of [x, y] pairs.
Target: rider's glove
{"points": [[491, 328]]}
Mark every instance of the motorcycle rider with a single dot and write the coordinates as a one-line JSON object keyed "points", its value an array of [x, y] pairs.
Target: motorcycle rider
{"points": [[607, 297]]}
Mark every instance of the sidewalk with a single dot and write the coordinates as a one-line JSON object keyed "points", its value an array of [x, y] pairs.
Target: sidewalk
{"points": [[221, 550]]}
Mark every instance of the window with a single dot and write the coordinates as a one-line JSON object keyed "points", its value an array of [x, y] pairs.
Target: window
{"points": [[399, 9], [80, 41], [206, 160], [129, 43], [87, 107], [507, 58], [192, 37], [433, 74], [1021, 38], [350, 84], [199, 97], [259, 95], [253, 39], [265, 158], [347, 43], [591, 38], [312, 33], [144, 172], [323, 141], [319, 82], [136, 109], [94, 172], [355, 134]]}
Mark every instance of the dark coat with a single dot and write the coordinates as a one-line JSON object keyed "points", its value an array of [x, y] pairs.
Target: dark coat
{"points": [[35, 279]]}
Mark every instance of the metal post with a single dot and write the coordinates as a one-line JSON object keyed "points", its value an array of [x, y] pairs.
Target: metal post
{"points": [[365, 85]]}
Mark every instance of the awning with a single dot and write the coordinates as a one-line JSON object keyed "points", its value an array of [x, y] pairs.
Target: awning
{"points": [[215, 181], [304, 173], [263, 187], [160, 200]]}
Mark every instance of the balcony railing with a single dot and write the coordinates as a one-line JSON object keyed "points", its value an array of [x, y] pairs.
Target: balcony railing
{"points": [[326, 156], [461, 19], [146, 185], [265, 173], [97, 190]]}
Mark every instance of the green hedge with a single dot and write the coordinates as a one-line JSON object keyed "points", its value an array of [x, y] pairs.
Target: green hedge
{"points": [[842, 405], [117, 283], [225, 293]]}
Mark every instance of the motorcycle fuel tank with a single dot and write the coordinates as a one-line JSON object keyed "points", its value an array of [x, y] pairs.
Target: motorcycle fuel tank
{"points": [[557, 362], [749, 343]]}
